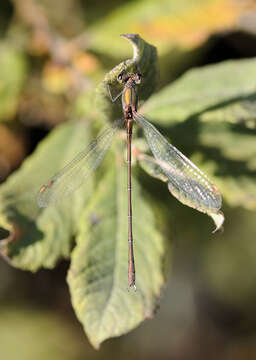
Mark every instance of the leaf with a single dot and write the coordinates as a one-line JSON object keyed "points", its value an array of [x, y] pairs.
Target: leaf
{"points": [[209, 93], [40, 237], [239, 190], [98, 272], [13, 70], [234, 166], [151, 166], [227, 137]]}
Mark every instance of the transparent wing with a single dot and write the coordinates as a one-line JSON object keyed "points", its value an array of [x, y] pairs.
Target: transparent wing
{"points": [[78, 170], [185, 181]]}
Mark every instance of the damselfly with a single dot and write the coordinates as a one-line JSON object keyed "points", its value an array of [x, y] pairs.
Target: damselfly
{"points": [[185, 181]]}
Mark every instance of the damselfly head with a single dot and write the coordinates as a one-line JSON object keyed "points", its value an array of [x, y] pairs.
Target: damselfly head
{"points": [[129, 77]]}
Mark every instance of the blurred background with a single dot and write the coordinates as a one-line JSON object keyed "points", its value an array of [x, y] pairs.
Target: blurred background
{"points": [[50, 52]]}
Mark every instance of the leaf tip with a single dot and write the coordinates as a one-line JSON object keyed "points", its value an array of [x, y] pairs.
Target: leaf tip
{"points": [[132, 37], [218, 219]]}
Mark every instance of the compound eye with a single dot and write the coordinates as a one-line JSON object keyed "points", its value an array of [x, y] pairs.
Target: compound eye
{"points": [[138, 78], [120, 78]]}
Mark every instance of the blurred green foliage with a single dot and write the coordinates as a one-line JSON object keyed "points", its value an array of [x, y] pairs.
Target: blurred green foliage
{"points": [[13, 71], [51, 72]]}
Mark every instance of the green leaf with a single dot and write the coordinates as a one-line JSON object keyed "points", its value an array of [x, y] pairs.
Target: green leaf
{"points": [[234, 166], [224, 92], [40, 237], [13, 70], [98, 272], [227, 137]]}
